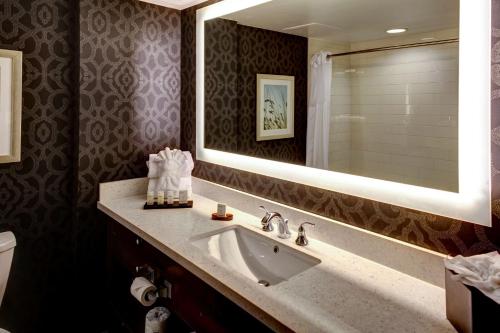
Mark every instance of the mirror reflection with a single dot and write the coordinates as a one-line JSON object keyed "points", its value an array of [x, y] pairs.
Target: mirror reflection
{"points": [[363, 87]]}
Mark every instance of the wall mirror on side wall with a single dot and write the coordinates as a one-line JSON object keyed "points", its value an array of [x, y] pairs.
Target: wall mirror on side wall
{"points": [[390, 99], [10, 105]]}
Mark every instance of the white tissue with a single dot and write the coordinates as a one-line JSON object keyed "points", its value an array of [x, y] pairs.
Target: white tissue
{"points": [[156, 320], [143, 291], [481, 271]]}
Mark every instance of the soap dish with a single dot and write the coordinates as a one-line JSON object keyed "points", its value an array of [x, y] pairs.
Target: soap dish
{"points": [[176, 204], [228, 217]]}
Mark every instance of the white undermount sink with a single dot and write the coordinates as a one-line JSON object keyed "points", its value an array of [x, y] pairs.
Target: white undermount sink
{"points": [[259, 258]]}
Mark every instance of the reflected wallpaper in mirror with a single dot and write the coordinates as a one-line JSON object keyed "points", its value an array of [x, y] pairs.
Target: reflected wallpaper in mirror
{"points": [[367, 101]]}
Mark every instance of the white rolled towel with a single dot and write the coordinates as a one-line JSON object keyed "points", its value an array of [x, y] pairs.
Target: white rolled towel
{"points": [[170, 170], [155, 166], [188, 164], [480, 271], [177, 170]]}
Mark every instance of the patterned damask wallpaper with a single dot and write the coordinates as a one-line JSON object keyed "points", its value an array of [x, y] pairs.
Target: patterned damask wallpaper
{"points": [[221, 82], [35, 194], [235, 54], [430, 231], [130, 89], [269, 52], [128, 66]]}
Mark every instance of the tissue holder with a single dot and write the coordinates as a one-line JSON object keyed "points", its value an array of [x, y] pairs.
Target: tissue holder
{"points": [[467, 308]]}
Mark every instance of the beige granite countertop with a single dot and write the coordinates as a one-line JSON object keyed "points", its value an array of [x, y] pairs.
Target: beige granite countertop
{"points": [[344, 293]]}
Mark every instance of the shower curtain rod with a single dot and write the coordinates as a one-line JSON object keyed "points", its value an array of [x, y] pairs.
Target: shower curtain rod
{"points": [[396, 47]]}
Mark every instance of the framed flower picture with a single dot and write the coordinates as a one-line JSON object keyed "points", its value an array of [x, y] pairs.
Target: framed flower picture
{"points": [[275, 107], [10, 105]]}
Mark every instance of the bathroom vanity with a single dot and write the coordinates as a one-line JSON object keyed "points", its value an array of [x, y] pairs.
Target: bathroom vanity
{"points": [[334, 290]]}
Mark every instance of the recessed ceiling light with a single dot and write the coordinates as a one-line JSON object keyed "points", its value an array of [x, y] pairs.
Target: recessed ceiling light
{"points": [[396, 30], [428, 38]]}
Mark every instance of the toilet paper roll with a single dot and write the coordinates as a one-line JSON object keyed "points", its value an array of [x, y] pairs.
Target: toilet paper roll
{"points": [[156, 320], [144, 291]]}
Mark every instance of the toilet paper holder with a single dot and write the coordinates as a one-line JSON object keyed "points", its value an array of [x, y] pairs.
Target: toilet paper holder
{"points": [[146, 271], [165, 290], [163, 287]]}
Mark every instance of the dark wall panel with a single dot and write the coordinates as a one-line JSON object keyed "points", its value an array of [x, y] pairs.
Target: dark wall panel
{"points": [[234, 55], [129, 88], [35, 193], [267, 52], [129, 107], [221, 82]]}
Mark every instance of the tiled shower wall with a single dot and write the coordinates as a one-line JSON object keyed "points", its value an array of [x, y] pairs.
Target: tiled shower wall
{"points": [[394, 114], [430, 231], [404, 107]]}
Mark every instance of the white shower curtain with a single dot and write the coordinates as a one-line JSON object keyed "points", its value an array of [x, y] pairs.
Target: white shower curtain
{"points": [[318, 115]]}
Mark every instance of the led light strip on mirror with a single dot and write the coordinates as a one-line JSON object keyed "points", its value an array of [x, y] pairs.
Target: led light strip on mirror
{"points": [[471, 203]]}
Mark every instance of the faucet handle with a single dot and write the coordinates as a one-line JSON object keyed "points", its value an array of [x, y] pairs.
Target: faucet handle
{"points": [[302, 225], [264, 209], [301, 237], [266, 223]]}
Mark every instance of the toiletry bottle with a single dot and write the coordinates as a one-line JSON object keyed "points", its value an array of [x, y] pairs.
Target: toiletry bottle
{"points": [[161, 198]]}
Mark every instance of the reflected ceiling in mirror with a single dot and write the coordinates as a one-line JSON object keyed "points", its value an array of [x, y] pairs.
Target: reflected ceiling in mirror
{"points": [[389, 111]]}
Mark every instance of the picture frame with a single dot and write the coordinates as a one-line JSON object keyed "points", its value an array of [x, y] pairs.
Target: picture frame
{"points": [[275, 107], [10, 105]]}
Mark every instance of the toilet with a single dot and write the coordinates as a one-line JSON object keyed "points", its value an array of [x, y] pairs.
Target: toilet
{"points": [[7, 244]]}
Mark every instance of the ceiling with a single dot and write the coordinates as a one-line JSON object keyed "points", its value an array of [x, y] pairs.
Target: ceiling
{"points": [[347, 21], [175, 4]]}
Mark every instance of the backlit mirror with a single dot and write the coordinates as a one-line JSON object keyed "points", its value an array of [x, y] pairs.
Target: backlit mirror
{"points": [[360, 90]]}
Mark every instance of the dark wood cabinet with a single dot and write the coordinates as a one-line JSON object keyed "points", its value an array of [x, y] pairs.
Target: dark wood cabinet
{"points": [[195, 306]]}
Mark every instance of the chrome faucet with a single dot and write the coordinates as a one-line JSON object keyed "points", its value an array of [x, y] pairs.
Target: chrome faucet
{"points": [[283, 231], [301, 237], [267, 223]]}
